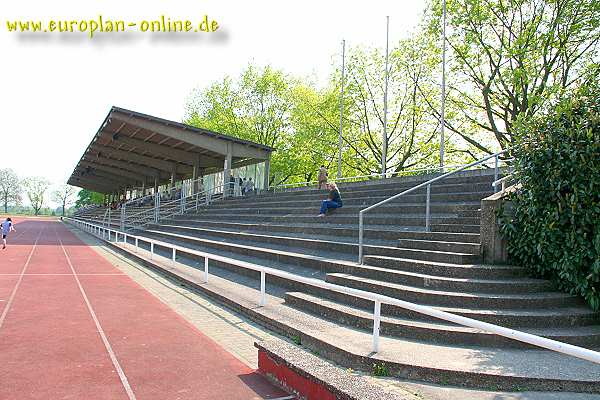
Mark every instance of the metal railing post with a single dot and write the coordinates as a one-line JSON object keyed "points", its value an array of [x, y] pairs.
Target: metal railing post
{"points": [[427, 209], [496, 171], [151, 250], [123, 217], [263, 297], [174, 255], [360, 237], [376, 324], [205, 269], [136, 244]]}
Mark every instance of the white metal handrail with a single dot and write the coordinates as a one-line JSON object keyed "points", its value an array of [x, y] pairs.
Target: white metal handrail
{"points": [[378, 299], [502, 181], [495, 156]]}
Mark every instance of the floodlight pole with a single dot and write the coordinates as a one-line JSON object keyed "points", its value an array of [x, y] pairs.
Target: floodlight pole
{"points": [[339, 171], [443, 105], [385, 96]]}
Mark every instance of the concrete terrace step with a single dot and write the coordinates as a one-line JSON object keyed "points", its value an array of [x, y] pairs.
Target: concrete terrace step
{"points": [[440, 236], [558, 317], [458, 197], [473, 271], [434, 332], [310, 216], [479, 285], [215, 238], [419, 209], [318, 228], [402, 183], [389, 191], [470, 248], [455, 228], [456, 299]]}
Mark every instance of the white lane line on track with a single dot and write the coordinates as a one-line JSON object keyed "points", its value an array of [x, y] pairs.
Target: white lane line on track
{"points": [[14, 292], [109, 349], [109, 274]]}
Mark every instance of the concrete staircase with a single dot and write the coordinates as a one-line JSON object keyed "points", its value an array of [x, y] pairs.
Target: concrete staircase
{"points": [[440, 268]]}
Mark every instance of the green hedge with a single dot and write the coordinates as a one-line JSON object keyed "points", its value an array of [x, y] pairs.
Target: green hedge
{"points": [[555, 227]]}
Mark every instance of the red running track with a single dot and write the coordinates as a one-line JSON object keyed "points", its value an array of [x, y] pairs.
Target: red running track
{"points": [[72, 326]]}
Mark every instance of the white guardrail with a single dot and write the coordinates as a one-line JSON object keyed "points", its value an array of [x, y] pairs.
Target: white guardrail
{"points": [[554, 345]]}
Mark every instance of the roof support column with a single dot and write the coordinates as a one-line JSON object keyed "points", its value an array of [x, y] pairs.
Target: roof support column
{"points": [[195, 173], [156, 184], [227, 187], [267, 172], [173, 175]]}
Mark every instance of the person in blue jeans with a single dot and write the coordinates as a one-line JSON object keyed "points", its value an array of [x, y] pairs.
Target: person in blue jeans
{"points": [[334, 200]]}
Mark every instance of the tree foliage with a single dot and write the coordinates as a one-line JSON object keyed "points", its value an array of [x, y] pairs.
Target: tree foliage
{"points": [[511, 59], [10, 188], [64, 195], [87, 197], [555, 230], [36, 188]]}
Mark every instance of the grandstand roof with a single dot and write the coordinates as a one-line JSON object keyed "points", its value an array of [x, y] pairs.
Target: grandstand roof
{"points": [[132, 148]]}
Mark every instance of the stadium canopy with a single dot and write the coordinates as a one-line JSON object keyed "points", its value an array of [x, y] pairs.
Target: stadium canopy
{"points": [[133, 150]]}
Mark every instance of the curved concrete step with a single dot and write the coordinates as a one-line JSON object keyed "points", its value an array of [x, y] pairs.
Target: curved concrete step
{"points": [[473, 271], [435, 332], [456, 299]]}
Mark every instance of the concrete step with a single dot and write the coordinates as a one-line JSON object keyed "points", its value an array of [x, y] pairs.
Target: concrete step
{"points": [[434, 332], [458, 197], [454, 228], [455, 299], [222, 238], [440, 236], [473, 271], [368, 192], [558, 317], [276, 209], [458, 247], [311, 216], [384, 232], [406, 182], [511, 285]]}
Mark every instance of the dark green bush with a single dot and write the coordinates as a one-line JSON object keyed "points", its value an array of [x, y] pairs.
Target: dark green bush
{"points": [[555, 227]]}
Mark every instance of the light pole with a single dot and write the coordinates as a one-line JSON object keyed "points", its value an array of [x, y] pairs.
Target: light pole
{"points": [[443, 105], [339, 171], [385, 96]]}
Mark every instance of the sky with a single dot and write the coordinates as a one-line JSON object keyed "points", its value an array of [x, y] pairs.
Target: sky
{"points": [[56, 88]]}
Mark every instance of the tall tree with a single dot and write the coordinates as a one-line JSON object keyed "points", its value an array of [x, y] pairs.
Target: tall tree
{"points": [[10, 188], [86, 197], [254, 107], [64, 195], [510, 59], [36, 188]]}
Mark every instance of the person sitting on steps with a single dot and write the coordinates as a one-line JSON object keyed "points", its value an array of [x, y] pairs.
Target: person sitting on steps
{"points": [[334, 200]]}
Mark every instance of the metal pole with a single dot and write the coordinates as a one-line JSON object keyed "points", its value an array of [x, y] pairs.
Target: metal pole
{"points": [[427, 208], [263, 298], [443, 105], [360, 237], [385, 96], [205, 269], [376, 324], [339, 171], [174, 255], [496, 172]]}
